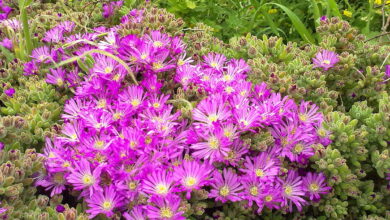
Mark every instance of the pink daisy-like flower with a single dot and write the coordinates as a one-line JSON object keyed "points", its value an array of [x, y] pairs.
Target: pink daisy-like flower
{"points": [[84, 177], [264, 166], [215, 61], [192, 175], [293, 191], [166, 208], [137, 213], [325, 59], [57, 77], [104, 202], [158, 183], [210, 110], [226, 186], [315, 184], [54, 182]]}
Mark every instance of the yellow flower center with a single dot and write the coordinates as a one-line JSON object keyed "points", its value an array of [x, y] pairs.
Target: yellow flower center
{"points": [[88, 179], [254, 191], [259, 172], [298, 148], [245, 122], [229, 89], [166, 212], [157, 65], [132, 185], [133, 144], [213, 143], [157, 44], [99, 144], [60, 82], [224, 191], [135, 102], [213, 64], [190, 181], [303, 117], [51, 155], [66, 164], [180, 62], [288, 190], [326, 62], [102, 103], [213, 118], [314, 187], [268, 198], [284, 141], [227, 133], [108, 70], [73, 137], [144, 56], [117, 116], [161, 189], [205, 78], [321, 132], [107, 205], [156, 105], [227, 77], [243, 93], [116, 77], [148, 140]]}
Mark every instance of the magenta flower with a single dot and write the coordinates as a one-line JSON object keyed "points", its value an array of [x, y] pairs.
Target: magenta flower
{"points": [[192, 176], [57, 77], [253, 188], [315, 185], [137, 213], [9, 92], [387, 72], [293, 191], [325, 59], [215, 61], [263, 167], [211, 110], [215, 147], [166, 208], [54, 182], [4, 11], [158, 183], [7, 43], [226, 186], [104, 202], [308, 113], [54, 35], [30, 68], [83, 177], [110, 8], [133, 95], [42, 54]]}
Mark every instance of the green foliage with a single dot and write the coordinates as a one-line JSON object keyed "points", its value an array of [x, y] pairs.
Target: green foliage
{"points": [[293, 19], [18, 193]]}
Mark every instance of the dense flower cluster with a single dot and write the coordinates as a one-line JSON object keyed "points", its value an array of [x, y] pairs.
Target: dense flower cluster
{"points": [[132, 143]]}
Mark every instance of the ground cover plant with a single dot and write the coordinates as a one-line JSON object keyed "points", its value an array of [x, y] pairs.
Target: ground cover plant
{"points": [[116, 109]]}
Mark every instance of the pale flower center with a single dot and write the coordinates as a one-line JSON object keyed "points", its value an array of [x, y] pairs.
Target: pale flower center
{"points": [[132, 185], [327, 62], [166, 212], [135, 102], [161, 189], [229, 89], [314, 187], [88, 179], [180, 62], [227, 77], [213, 143], [254, 191], [156, 105], [99, 144], [298, 148], [157, 65], [60, 82], [213, 64], [213, 118], [190, 181], [144, 56], [224, 191], [157, 43], [259, 172], [107, 205], [268, 198], [108, 70], [303, 117], [288, 190], [58, 178]]}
